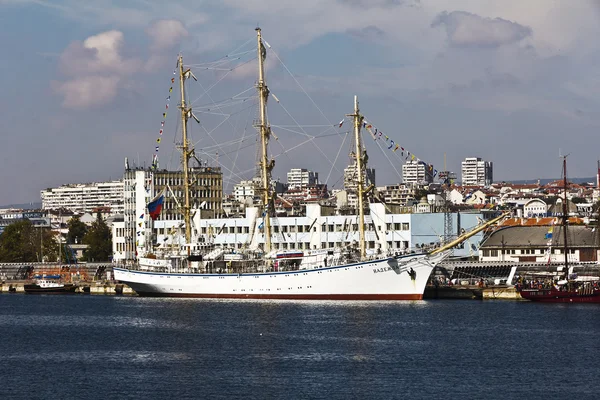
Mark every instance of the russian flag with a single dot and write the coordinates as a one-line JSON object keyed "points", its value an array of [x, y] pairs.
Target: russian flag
{"points": [[155, 206]]}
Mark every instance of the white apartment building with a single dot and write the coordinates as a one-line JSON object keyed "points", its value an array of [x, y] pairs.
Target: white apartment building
{"points": [[417, 172], [299, 178], [245, 189], [84, 197], [476, 172]]}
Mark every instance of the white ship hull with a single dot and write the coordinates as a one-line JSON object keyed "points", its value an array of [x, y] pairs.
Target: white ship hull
{"points": [[383, 279]]}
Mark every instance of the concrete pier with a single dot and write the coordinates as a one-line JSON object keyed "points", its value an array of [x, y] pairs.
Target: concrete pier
{"points": [[14, 287]]}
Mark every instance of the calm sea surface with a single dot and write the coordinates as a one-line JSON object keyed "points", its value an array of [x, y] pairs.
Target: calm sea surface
{"points": [[103, 347]]}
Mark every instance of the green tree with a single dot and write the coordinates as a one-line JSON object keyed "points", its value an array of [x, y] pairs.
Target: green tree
{"points": [[77, 230], [99, 241], [22, 242]]}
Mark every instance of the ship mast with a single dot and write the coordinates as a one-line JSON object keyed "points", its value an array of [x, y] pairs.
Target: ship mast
{"points": [[266, 165], [358, 119], [185, 152], [565, 218]]}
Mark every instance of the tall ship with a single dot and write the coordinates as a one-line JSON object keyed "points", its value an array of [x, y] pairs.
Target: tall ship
{"points": [[567, 287], [347, 273]]}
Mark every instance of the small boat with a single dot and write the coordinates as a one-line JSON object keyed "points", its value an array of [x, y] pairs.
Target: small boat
{"points": [[49, 286]]}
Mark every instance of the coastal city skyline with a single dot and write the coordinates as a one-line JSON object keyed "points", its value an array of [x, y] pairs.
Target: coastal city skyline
{"points": [[460, 79]]}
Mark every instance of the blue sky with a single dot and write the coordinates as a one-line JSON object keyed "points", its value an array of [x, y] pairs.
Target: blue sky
{"points": [[85, 85]]}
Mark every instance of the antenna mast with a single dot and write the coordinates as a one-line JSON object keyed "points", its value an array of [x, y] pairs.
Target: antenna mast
{"points": [[266, 165], [360, 178]]}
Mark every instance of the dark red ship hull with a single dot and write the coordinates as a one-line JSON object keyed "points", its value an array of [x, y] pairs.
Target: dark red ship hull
{"points": [[561, 296]]}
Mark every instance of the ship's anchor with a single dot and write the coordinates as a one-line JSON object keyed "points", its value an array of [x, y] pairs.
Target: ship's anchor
{"points": [[412, 273]]}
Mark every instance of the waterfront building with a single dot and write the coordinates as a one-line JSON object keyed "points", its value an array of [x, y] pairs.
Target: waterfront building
{"points": [[84, 197], [299, 178], [142, 185], [540, 244], [417, 172], [319, 227], [476, 172]]}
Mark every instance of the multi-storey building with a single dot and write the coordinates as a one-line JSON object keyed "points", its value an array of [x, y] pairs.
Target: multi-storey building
{"points": [[401, 194], [351, 184], [417, 172], [85, 197], [142, 185], [37, 218], [307, 194], [245, 189], [299, 178], [476, 172]]}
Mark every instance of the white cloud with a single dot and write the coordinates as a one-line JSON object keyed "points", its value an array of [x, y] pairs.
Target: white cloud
{"points": [[93, 69], [166, 33], [100, 53], [87, 91], [470, 30]]}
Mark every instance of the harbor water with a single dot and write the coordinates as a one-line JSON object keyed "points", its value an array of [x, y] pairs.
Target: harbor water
{"points": [[99, 347]]}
